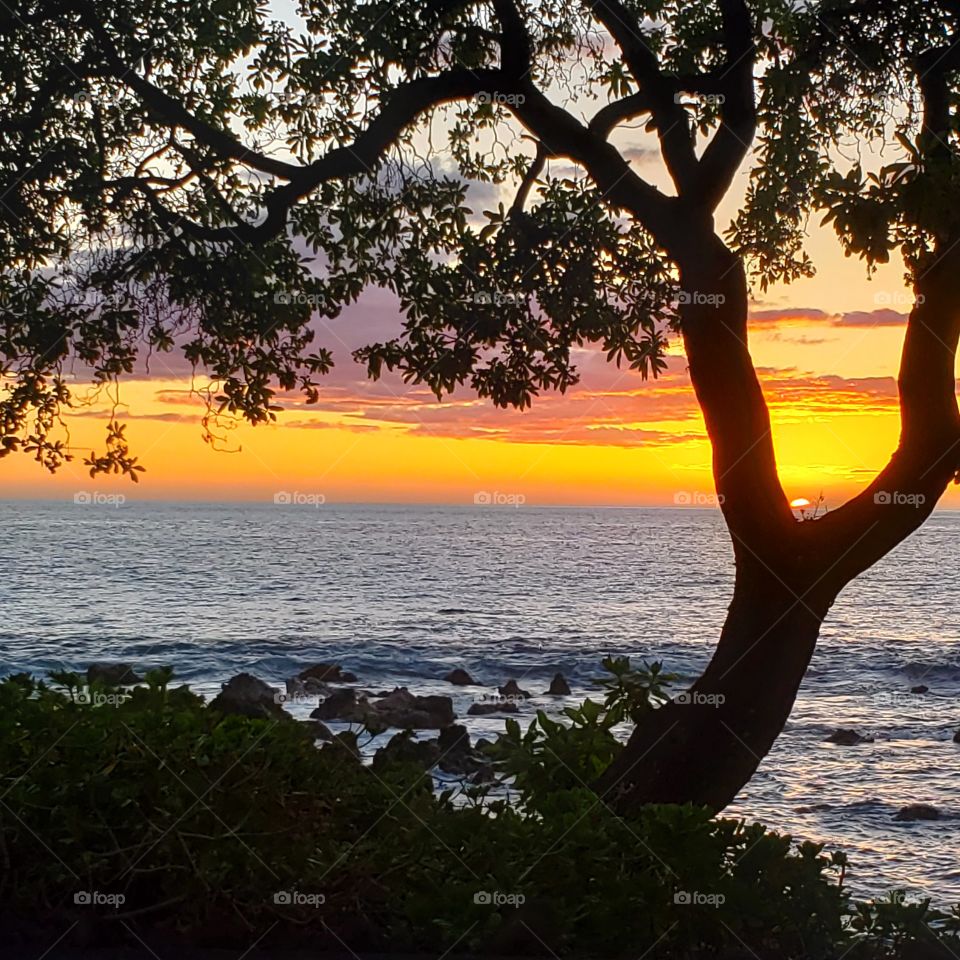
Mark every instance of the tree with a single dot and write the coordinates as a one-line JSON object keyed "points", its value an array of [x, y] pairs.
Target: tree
{"points": [[166, 171]]}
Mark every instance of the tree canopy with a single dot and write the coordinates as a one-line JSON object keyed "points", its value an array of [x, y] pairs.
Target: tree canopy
{"points": [[205, 176]]}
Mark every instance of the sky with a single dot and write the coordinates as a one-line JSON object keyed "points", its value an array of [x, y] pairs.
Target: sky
{"points": [[826, 348]]}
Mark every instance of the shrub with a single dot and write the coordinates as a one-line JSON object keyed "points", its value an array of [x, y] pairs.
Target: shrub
{"points": [[171, 817]]}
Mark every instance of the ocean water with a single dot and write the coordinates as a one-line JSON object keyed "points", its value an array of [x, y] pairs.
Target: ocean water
{"points": [[402, 594]]}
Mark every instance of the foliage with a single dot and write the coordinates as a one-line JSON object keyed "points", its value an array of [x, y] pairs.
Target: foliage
{"points": [[208, 178], [220, 828]]}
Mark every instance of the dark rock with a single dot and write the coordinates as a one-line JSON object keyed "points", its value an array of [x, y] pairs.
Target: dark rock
{"points": [[454, 739], [512, 689], [558, 687], [456, 754], [402, 748], [347, 677], [310, 687], [116, 674], [342, 705], [847, 738], [246, 696], [459, 678], [956, 737], [400, 708], [918, 811], [329, 672], [403, 709], [485, 707], [920, 688], [318, 729]]}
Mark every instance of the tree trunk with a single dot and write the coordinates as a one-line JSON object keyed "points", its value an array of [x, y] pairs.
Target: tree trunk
{"points": [[704, 745]]}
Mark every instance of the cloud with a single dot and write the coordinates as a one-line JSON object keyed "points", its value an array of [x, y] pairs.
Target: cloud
{"points": [[807, 316], [872, 318]]}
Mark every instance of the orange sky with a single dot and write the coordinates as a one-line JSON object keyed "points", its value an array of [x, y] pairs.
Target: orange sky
{"points": [[827, 349]]}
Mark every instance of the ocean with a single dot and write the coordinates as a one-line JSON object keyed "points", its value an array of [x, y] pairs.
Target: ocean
{"points": [[401, 594]]}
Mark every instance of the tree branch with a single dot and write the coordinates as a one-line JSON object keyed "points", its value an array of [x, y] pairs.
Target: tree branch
{"points": [[669, 117], [738, 114]]}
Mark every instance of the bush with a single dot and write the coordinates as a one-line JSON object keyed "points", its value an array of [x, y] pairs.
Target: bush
{"points": [[168, 816]]}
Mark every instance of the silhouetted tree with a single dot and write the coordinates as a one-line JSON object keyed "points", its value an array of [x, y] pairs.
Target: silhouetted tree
{"points": [[198, 177]]}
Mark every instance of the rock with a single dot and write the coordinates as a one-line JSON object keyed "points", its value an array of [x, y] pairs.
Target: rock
{"points": [[459, 678], [511, 689], [454, 739], [403, 709], [318, 730], [347, 677], [956, 736], [920, 688], [456, 754], [246, 696], [342, 705], [918, 811], [402, 748], [847, 738], [115, 674], [483, 708], [297, 688], [329, 672], [558, 686], [400, 708]]}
